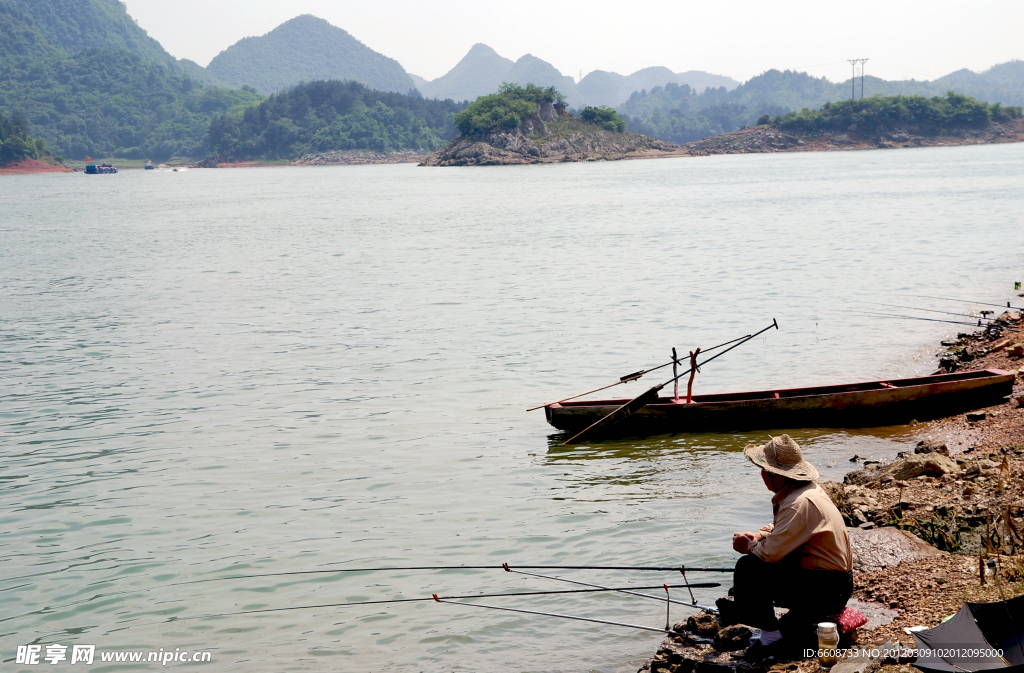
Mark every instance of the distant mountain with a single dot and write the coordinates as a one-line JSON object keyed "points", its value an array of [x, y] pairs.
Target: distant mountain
{"points": [[700, 80], [480, 72], [609, 88], [305, 48], [531, 70], [420, 82]]}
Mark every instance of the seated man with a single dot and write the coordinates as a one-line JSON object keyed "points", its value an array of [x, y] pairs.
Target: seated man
{"points": [[802, 561]]}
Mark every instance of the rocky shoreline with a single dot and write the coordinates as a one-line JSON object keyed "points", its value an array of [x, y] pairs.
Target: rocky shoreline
{"points": [[924, 527], [762, 139], [357, 157]]}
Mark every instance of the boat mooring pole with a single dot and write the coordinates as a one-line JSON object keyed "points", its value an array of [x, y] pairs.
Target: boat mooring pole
{"points": [[694, 370], [642, 400], [675, 363]]}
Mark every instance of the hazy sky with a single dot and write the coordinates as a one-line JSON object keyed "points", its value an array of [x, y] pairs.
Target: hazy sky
{"points": [[739, 38]]}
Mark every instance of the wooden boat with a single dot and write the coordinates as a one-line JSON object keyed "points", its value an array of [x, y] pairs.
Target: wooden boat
{"points": [[875, 403]]}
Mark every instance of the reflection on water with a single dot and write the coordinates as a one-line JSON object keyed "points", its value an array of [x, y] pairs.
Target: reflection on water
{"points": [[269, 371], [700, 466]]}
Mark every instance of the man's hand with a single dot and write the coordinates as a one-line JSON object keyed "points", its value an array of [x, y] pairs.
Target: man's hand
{"points": [[742, 542]]}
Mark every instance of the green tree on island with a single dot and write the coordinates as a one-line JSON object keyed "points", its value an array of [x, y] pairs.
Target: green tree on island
{"points": [[514, 104], [887, 113], [604, 116], [507, 109]]}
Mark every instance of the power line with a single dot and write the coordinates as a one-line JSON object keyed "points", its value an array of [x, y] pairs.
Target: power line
{"points": [[853, 77]]}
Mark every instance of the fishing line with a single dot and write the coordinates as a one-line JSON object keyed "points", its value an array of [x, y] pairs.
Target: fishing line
{"points": [[385, 569], [951, 322], [625, 591], [705, 585], [929, 310], [634, 376], [966, 301], [914, 317], [553, 614]]}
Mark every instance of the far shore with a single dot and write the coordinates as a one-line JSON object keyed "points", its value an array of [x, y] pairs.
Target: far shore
{"points": [[31, 166], [755, 140]]}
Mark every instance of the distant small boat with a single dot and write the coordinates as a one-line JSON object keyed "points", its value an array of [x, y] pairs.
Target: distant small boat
{"points": [[101, 169], [150, 166], [853, 405]]}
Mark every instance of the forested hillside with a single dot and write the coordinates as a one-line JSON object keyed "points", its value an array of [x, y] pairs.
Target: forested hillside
{"points": [[679, 114], [332, 115], [304, 49], [17, 141], [103, 101]]}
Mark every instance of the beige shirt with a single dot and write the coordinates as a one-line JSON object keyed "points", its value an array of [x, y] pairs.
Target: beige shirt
{"points": [[808, 524]]}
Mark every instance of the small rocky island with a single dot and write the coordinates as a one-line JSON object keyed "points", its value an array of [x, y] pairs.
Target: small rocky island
{"points": [[530, 125]]}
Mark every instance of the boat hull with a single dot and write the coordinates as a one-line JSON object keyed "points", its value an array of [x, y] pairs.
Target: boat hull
{"points": [[874, 403]]}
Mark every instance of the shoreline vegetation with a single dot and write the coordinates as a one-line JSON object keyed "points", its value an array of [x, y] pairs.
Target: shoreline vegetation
{"points": [[346, 123], [518, 126], [923, 526]]}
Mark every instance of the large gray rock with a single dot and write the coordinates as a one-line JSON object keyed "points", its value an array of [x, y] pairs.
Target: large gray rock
{"points": [[732, 638], [865, 659], [547, 112], [930, 464], [703, 624], [932, 446], [884, 547]]}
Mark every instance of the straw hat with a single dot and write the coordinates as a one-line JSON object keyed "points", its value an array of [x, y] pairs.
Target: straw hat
{"points": [[782, 456]]}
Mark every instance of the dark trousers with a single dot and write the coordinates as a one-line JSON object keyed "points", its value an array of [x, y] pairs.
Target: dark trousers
{"points": [[810, 595]]}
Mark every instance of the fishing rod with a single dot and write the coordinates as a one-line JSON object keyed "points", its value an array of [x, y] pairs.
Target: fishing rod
{"points": [[951, 322], [967, 301], [434, 597], [554, 614], [914, 317], [651, 395], [624, 591], [930, 310], [699, 585], [406, 568], [632, 377]]}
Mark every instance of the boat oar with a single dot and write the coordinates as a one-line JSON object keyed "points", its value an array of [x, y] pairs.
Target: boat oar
{"points": [[634, 376], [639, 402]]}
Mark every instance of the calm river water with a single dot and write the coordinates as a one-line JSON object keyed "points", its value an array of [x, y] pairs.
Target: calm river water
{"points": [[221, 372]]}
